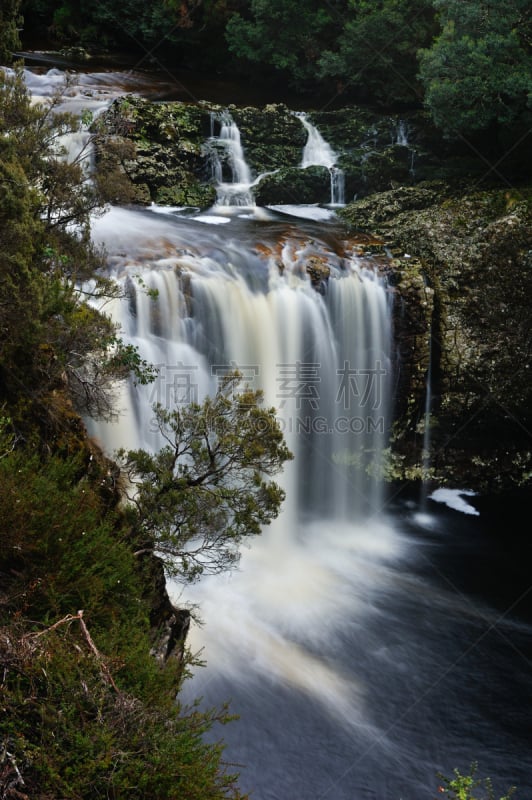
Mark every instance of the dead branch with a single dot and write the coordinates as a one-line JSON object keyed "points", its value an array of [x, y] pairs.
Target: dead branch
{"points": [[106, 673]]}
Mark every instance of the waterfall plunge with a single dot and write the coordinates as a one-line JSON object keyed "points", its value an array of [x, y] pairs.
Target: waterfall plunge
{"points": [[322, 360], [318, 152]]}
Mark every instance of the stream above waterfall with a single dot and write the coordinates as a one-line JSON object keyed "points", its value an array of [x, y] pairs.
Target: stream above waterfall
{"points": [[366, 641]]}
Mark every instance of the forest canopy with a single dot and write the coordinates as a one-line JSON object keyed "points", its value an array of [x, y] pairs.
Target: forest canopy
{"points": [[467, 62]]}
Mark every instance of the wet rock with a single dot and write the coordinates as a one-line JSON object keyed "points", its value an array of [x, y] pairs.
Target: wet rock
{"points": [[462, 278], [272, 136], [153, 152], [293, 185]]}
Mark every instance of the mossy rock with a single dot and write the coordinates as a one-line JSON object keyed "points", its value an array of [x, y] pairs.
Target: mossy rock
{"points": [[187, 193], [372, 213], [143, 120], [472, 250], [272, 137], [293, 185]]}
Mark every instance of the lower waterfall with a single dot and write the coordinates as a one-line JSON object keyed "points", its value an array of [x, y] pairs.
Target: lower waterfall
{"points": [[321, 355], [198, 306], [365, 646]]}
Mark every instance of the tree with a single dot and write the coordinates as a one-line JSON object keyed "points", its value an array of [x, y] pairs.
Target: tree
{"points": [[172, 31], [375, 54], [87, 711], [364, 48], [55, 347], [9, 22], [286, 36], [205, 490], [478, 73]]}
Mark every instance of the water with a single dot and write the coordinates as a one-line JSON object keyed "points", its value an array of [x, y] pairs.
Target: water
{"points": [[231, 173], [365, 642], [361, 671], [318, 152], [353, 641], [401, 134]]}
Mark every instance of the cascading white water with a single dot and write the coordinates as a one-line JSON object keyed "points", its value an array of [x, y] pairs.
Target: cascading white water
{"points": [[323, 361], [401, 134], [227, 156], [318, 152], [354, 672]]}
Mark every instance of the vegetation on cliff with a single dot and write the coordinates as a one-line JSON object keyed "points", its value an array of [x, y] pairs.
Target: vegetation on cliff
{"points": [[91, 651], [87, 708]]}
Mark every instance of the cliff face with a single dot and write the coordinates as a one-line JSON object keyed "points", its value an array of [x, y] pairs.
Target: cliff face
{"points": [[462, 272], [461, 269]]}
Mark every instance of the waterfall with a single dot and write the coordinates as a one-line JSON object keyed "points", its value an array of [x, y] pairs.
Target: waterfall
{"points": [[401, 134], [356, 669], [425, 456], [321, 359], [230, 170], [318, 152]]}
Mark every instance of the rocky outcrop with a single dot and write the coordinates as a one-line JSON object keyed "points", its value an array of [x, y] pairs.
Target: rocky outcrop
{"points": [[272, 136], [153, 152], [169, 625], [160, 152], [291, 185], [462, 272]]}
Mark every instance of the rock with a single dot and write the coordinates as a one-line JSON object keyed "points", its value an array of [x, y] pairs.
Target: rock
{"points": [[319, 271], [462, 278], [272, 137], [293, 185], [153, 152], [169, 625]]}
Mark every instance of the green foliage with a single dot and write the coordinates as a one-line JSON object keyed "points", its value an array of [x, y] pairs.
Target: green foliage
{"points": [[478, 72], [55, 348], [286, 36], [375, 55], [205, 490], [463, 787], [58, 541], [86, 710], [364, 49], [9, 29]]}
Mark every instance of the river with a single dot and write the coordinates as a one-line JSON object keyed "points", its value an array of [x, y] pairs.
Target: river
{"points": [[366, 641]]}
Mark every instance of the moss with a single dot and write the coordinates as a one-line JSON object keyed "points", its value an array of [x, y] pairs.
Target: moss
{"points": [[187, 193], [292, 185]]}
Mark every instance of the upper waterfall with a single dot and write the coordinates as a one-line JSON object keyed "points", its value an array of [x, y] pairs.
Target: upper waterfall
{"points": [[318, 152], [230, 170]]}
